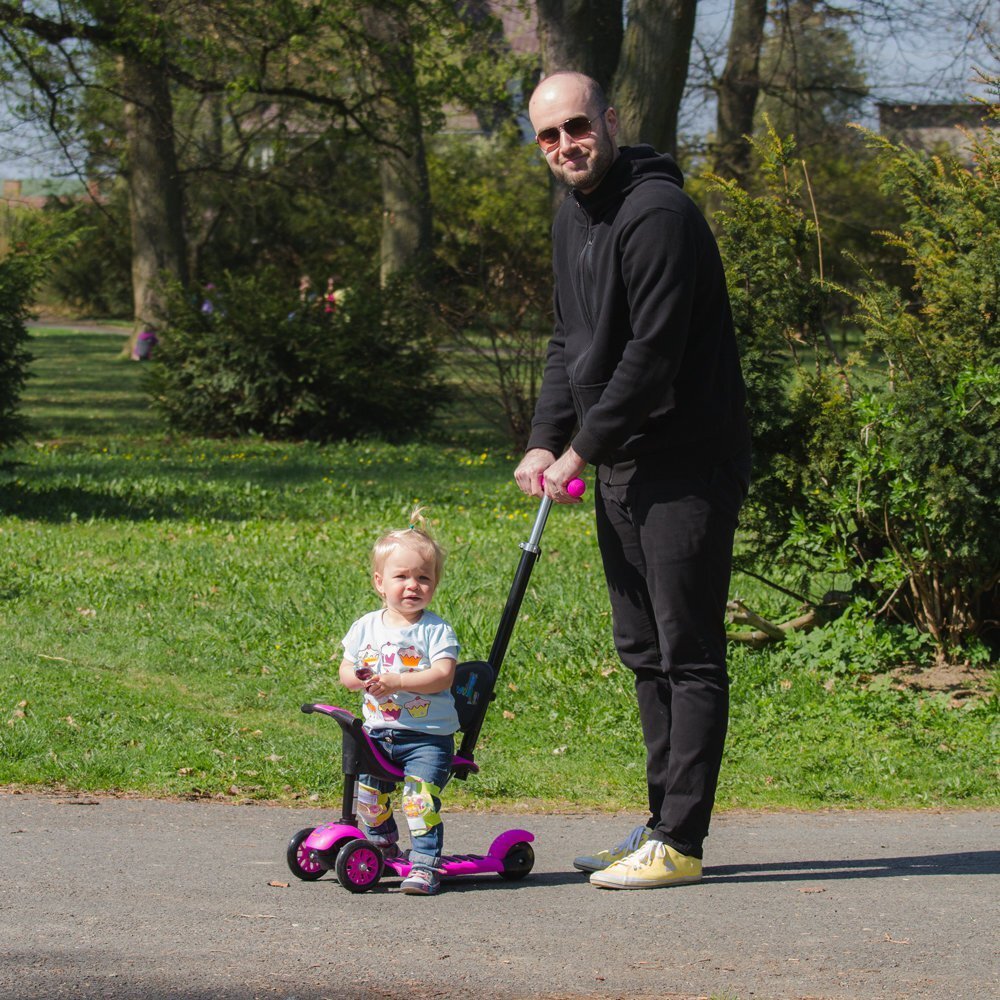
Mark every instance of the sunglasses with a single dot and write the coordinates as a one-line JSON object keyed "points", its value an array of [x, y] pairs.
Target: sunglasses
{"points": [[575, 128]]}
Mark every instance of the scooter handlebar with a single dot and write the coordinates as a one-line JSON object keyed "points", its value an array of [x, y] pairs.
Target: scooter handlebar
{"points": [[575, 487]]}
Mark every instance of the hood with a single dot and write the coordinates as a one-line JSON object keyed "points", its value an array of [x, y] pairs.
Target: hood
{"points": [[634, 165]]}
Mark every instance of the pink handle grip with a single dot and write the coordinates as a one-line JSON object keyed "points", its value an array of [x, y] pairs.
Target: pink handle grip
{"points": [[575, 487]]}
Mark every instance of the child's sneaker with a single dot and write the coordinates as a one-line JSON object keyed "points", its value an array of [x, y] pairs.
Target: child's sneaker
{"points": [[599, 861], [653, 865], [421, 882]]}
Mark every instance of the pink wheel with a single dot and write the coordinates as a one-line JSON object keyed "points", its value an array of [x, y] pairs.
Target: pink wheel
{"points": [[301, 864], [359, 865]]}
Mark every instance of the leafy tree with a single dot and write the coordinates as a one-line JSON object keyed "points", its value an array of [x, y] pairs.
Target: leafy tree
{"points": [[922, 465], [54, 49], [811, 79], [811, 86], [583, 35], [316, 69], [406, 199], [94, 279], [652, 72], [780, 309], [493, 271], [641, 61]]}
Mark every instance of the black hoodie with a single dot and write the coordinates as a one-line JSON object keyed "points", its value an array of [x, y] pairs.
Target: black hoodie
{"points": [[643, 360]]}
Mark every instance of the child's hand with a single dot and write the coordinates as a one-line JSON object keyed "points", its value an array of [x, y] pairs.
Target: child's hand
{"points": [[382, 685], [348, 677]]}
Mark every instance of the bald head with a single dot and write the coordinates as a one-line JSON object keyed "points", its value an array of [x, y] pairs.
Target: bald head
{"points": [[556, 86]]}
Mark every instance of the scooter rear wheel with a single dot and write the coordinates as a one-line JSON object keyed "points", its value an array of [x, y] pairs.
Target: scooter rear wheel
{"points": [[518, 861], [298, 859], [359, 865]]}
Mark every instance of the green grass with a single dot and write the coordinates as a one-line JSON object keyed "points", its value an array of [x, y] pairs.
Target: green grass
{"points": [[167, 604]]}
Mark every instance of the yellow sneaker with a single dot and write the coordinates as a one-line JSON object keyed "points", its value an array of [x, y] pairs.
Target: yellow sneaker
{"points": [[653, 865], [599, 861]]}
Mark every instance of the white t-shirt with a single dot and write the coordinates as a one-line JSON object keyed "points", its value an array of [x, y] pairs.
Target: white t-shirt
{"points": [[401, 650]]}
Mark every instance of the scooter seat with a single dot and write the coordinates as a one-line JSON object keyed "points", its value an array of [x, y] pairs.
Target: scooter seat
{"points": [[361, 755]]}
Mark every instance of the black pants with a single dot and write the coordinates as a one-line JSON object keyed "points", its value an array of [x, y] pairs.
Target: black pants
{"points": [[666, 539]]}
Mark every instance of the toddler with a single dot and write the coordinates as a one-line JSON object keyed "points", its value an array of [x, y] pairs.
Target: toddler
{"points": [[404, 656]]}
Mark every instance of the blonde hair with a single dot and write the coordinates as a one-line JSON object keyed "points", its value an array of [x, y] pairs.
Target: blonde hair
{"points": [[416, 536]]}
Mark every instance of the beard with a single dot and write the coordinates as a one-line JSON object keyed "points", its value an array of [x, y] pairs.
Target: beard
{"points": [[600, 159]]}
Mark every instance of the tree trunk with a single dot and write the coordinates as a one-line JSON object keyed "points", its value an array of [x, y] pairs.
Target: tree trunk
{"points": [[155, 194], [202, 223], [738, 90], [653, 70], [407, 232], [581, 35], [406, 207]]}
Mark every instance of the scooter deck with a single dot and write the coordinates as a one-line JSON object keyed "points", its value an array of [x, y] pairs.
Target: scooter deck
{"points": [[452, 865]]}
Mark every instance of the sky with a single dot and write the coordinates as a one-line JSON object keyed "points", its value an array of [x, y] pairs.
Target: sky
{"points": [[932, 62]]}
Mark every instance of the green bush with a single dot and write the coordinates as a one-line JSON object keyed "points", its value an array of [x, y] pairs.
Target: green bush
{"points": [[915, 496], [883, 466], [770, 249], [250, 357], [32, 244]]}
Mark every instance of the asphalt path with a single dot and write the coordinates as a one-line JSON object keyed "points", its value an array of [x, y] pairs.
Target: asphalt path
{"points": [[124, 897]]}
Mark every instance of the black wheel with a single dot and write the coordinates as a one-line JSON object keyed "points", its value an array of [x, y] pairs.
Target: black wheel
{"points": [[518, 861], [359, 865], [298, 859]]}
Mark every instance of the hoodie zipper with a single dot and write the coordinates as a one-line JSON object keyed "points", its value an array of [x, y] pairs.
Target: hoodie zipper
{"points": [[585, 273]]}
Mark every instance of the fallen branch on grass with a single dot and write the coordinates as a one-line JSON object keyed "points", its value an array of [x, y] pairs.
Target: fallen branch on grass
{"points": [[765, 632]]}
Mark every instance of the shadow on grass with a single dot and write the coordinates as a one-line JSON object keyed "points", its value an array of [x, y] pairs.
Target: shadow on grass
{"points": [[66, 504], [61, 504], [267, 487]]}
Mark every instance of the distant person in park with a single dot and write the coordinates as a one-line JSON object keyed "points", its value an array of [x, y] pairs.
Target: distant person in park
{"points": [[333, 297], [331, 301], [403, 656], [642, 381], [144, 344]]}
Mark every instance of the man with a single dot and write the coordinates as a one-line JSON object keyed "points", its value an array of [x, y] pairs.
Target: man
{"points": [[642, 380]]}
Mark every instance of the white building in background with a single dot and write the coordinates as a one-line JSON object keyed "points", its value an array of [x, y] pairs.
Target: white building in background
{"points": [[931, 127]]}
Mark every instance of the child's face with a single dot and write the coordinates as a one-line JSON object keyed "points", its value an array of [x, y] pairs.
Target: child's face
{"points": [[406, 581]]}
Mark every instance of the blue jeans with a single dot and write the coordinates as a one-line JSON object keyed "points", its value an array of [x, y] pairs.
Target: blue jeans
{"points": [[426, 764]]}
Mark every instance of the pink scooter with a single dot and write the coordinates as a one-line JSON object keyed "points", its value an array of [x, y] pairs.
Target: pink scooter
{"points": [[341, 846]]}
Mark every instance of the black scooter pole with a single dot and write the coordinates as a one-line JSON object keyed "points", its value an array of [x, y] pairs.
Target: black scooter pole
{"points": [[530, 551]]}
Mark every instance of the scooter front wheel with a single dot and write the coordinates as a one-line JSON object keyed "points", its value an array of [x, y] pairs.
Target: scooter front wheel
{"points": [[359, 865], [298, 859], [518, 861]]}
